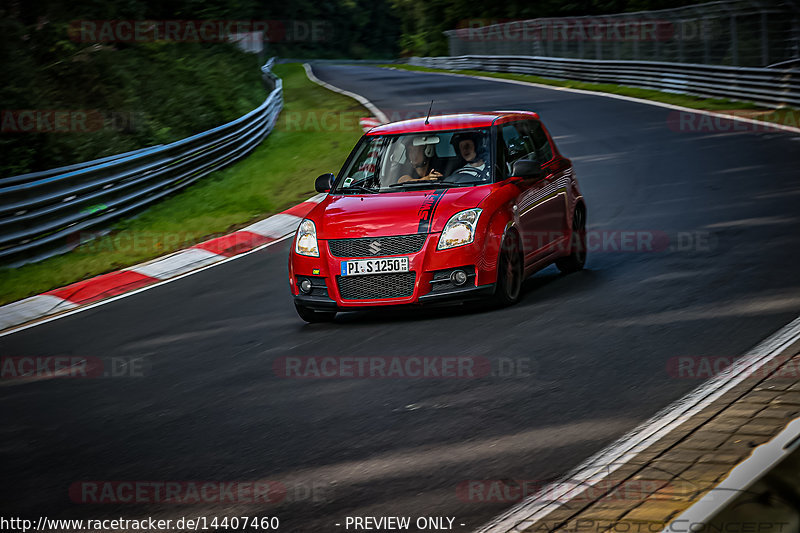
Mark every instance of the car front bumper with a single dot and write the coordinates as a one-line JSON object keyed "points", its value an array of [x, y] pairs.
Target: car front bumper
{"points": [[450, 297], [430, 268]]}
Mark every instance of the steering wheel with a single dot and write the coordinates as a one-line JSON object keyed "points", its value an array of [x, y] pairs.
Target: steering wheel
{"points": [[468, 174]]}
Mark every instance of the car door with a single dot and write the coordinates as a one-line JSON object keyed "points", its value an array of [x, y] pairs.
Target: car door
{"points": [[517, 143], [553, 213]]}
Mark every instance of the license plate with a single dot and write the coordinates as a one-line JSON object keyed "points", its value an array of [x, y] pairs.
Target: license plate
{"points": [[385, 265]]}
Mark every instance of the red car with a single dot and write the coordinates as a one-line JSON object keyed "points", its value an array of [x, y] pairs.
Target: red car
{"points": [[443, 209]]}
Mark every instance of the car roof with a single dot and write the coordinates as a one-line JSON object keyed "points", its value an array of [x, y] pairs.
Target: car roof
{"points": [[459, 121]]}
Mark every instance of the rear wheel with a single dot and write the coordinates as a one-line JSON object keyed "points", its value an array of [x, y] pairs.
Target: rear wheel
{"points": [[509, 272], [312, 316], [577, 256]]}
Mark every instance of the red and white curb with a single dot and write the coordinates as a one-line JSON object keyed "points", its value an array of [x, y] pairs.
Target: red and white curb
{"points": [[158, 270], [367, 123], [83, 294]]}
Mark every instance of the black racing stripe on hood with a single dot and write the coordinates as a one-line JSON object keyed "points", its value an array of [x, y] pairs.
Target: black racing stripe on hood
{"points": [[427, 210]]}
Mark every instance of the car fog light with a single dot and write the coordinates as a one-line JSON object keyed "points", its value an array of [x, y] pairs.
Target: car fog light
{"points": [[305, 286], [458, 277]]}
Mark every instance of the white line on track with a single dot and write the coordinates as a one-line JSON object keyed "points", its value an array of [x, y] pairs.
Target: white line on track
{"points": [[142, 289], [258, 227], [380, 115], [602, 464], [767, 126]]}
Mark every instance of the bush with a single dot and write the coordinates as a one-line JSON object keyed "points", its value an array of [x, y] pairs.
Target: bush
{"points": [[116, 98]]}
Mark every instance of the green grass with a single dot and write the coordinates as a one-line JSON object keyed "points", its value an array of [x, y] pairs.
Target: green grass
{"points": [[648, 94], [316, 130]]}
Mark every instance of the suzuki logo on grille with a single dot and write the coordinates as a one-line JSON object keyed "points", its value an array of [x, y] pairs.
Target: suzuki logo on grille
{"points": [[375, 248]]}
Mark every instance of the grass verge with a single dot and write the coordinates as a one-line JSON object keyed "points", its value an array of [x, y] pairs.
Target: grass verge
{"points": [[313, 135], [784, 116]]}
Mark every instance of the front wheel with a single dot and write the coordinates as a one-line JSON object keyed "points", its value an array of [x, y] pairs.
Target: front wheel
{"points": [[311, 316], [577, 253], [509, 273]]}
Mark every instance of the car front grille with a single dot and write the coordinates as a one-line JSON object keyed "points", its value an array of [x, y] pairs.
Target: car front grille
{"points": [[376, 286], [377, 246]]}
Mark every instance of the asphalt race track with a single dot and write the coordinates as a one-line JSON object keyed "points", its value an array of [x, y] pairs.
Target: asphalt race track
{"points": [[581, 360]]}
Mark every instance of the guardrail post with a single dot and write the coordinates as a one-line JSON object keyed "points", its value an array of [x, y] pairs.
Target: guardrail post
{"points": [[764, 41]]}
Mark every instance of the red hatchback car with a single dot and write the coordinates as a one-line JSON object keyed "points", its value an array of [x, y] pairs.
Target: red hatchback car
{"points": [[445, 209]]}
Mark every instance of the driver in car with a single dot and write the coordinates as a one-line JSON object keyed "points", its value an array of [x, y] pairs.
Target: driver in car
{"points": [[466, 145], [420, 164]]}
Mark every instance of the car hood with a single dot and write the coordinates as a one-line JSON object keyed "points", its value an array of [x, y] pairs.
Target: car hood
{"points": [[400, 213]]}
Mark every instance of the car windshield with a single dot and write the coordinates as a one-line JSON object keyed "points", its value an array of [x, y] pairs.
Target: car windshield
{"points": [[441, 159]]}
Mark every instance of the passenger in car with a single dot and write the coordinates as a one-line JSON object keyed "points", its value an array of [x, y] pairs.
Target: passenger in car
{"points": [[420, 166]]}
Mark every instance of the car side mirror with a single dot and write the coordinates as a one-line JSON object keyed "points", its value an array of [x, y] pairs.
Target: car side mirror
{"points": [[324, 183], [527, 169]]}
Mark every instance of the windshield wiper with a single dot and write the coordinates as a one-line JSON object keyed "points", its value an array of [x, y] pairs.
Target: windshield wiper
{"points": [[470, 183], [426, 183], [358, 188]]}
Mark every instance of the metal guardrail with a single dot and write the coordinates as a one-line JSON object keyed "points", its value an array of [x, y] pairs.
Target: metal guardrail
{"points": [[44, 213], [745, 33], [341, 61], [772, 87]]}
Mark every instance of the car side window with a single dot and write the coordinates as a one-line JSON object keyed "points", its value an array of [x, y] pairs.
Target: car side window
{"points": [[544, 152], [364, 165], [518, 143]]}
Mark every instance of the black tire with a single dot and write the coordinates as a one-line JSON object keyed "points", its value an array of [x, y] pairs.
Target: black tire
{"points": [[311, 316], [577, 248], [509, 272]]}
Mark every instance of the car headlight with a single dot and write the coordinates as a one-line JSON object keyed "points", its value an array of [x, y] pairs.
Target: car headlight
{"points": [[459, 230], [306, 241]]}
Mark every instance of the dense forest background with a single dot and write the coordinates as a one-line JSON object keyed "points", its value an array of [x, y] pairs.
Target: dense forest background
{"points": [[158, 92], [354, 28]]}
